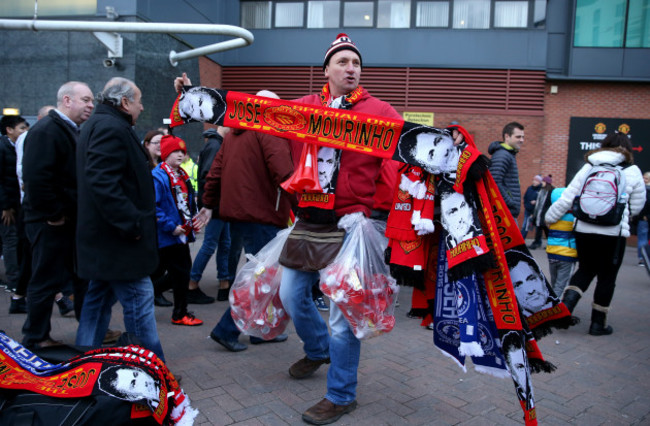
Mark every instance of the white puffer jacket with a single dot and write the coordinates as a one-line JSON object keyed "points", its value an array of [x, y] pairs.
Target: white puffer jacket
{"points": [[635, 188]]}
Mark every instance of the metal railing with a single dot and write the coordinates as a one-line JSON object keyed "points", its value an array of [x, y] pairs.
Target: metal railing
{"points": [[242, 37]]}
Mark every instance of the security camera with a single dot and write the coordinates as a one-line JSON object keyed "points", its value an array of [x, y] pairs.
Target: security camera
{"points": [[109, 62]]}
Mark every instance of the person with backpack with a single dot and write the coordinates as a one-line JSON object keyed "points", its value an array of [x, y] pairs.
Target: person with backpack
{"points": [[603, 195]]}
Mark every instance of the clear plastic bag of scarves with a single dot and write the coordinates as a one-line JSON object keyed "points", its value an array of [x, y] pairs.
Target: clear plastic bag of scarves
{"points": [[255, 298], [358, 281]]}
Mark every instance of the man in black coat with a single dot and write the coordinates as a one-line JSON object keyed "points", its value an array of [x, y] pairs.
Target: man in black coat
{"points": [[504, 165], [116, 232], [50, 206]]}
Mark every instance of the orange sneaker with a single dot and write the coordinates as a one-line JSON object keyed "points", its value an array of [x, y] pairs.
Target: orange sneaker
{"points": [[187, 319]]}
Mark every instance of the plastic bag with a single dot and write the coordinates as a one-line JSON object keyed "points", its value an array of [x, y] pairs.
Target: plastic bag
{"points": [[358, 280], [254, 298]]}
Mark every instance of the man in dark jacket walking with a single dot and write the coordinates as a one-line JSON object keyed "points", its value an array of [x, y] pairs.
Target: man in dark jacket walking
{"points": [[50, 207], [530, 198], [504, 165], [116, 233]]}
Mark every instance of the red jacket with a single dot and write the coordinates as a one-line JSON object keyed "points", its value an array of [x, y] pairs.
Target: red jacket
{"points": [[244, 179], [355, 186]]}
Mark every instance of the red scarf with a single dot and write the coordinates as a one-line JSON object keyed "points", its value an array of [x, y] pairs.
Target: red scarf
{"points": [[316, 160], [180, 194]]}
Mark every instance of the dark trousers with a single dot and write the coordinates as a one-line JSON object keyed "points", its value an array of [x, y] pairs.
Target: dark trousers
{"points": [[599, 256], [24, 256], [251, 237], [52, 268], [174, 272]]}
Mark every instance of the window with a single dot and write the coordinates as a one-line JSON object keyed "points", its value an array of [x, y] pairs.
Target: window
{"points": [[256, 14], [474, 14], [638, 24], [25, 8], [510, 14], [289, 14], [539, 17], [432, 14], [323, 14], [358, 14], [599, 23], [394, 13]]}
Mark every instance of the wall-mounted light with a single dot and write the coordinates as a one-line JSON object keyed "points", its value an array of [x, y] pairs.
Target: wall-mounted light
{"points": [[366, 17], [10, 111], [553, 89]]}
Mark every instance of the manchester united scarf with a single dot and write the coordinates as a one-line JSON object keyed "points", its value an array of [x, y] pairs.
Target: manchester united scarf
{"points": [[129, 373]]}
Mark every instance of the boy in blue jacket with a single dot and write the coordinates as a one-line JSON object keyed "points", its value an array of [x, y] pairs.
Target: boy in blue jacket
{"points": [[175, 210], [561, 248]]}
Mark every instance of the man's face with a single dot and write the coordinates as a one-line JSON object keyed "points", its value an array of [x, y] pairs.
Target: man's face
{"points": [[516, 139], [530, 287], [199, 105], [646, 178], [518, 367], [326, 165], [136, 382], [456, 215], [133, 108], [14, 132], [343, 72], [80, 104], [436, 153]]}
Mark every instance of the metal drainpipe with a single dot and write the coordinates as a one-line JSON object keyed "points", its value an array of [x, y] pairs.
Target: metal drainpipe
{"points": [[242, 36]]}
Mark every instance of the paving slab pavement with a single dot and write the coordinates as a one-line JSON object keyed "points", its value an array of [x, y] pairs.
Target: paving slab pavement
{"points": [[403, 378]]}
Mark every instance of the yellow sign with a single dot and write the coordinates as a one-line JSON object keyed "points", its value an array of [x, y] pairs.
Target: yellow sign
{"points": [[10, 111], [425, 118]]}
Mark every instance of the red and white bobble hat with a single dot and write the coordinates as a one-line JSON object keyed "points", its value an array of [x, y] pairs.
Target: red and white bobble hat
{"points": [[342, 42]]}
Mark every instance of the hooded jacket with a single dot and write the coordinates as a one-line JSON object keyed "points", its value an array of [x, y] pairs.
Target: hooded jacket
{"points": [[635, 188], [506, 175]]}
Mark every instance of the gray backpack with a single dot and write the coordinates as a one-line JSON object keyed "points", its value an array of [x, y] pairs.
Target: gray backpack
{"points": [[602, 199]]}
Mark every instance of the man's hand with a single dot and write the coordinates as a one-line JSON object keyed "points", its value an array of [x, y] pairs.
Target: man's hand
{"points": [[203, 217], [179, 82], [8, 217], [457, 136]]}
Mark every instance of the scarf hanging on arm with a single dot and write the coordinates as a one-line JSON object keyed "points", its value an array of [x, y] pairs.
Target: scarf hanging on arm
{"points": [[99, 372], [180, 193]]}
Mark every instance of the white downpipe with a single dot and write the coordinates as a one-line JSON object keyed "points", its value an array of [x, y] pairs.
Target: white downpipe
{"points": [[242, 37]]}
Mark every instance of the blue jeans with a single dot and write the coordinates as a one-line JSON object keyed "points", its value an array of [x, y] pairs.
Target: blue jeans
{"points": [[136, 298], [642, 236], [528, 222], [561, 272], [251, 237], [343, 348], [217, 233]]}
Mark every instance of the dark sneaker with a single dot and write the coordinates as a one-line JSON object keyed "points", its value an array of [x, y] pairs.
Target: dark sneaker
{"points": [[197, 297], [320, 304], [160, 300], [65, 305], [306, 367], [18, 306], [326, 412], [231, 345], [223, 293], [187, 319]]}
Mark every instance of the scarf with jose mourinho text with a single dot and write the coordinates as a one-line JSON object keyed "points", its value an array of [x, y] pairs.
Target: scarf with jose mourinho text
{"points": [[97, 372]]}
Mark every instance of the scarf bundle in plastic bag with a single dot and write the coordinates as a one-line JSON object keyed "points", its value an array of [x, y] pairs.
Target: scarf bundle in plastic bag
{"points": [[254, 298], [358, 280]]}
